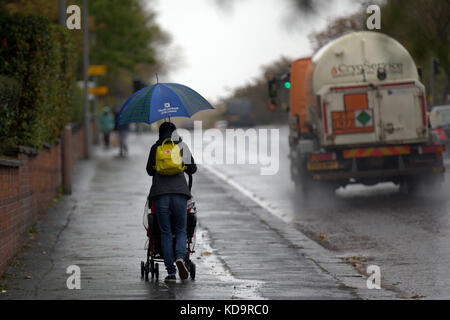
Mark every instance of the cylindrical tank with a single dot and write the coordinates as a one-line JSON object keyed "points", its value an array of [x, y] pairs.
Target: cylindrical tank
{"points": [[358, 57], [361, 57]]}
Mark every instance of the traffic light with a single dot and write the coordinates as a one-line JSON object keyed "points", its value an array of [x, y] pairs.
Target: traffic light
{"points": [[279, 86], [272, 87], [285, 79]]}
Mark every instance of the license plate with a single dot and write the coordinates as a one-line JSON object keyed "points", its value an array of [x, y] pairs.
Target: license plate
{"points": [[323, 165]]}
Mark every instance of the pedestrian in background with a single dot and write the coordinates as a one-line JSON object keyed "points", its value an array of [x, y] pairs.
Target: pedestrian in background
{"points": [[123, 138], [106, 124]]}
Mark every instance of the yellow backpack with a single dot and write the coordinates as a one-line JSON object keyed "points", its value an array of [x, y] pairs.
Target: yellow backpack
{"points": [[168, 158]]}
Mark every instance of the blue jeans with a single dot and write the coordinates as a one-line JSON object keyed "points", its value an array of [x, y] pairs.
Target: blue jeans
{"points": [[175, 205]]}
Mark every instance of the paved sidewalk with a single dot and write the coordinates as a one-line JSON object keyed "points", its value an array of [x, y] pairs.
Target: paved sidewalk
{"points": [[99, 228]]}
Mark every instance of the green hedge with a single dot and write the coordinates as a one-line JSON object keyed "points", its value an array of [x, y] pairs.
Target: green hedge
{"points": [[9, 99], [37, 64]]}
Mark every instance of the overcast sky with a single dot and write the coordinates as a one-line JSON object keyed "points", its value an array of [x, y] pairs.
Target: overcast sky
{"points": [[222, 48]]}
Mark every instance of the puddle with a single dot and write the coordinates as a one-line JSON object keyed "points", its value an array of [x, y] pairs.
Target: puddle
{"points": [[212, 264]]}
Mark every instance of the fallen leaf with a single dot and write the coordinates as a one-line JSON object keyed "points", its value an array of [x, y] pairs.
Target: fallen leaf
{"points": [[28, 277], [206, 253]]}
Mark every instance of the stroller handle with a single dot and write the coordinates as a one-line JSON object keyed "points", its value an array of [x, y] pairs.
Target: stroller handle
{"points": [[190, 182]]}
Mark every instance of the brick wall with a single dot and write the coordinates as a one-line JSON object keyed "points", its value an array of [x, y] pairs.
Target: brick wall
{"points": [[77, 144], [27, 186], [78, 141]]}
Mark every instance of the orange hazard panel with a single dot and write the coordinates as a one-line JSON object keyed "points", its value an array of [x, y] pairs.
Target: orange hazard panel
{"points": [[355, 101], [356, 118], [298, 90]]}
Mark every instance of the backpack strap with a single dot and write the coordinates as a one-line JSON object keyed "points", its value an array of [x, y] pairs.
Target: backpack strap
{"points": [[167, 139]]}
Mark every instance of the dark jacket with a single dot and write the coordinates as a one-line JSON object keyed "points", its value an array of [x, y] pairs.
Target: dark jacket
{"points": [[162, 184]]}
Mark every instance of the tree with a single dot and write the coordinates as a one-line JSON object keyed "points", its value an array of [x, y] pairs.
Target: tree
{"points": [[337, 28], [42, 8], [423, 27], [124, 36], [302, 6], [128, 41]]}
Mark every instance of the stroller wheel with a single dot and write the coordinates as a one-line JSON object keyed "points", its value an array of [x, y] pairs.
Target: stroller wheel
{"points": [[192, 270], [142, 269], [146, 271], [152, 268]]}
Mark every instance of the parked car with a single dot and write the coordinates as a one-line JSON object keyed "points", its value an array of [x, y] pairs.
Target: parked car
{"points": [[440, 123]]}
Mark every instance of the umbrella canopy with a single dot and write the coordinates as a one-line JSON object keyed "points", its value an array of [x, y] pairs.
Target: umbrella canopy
{"points": [[161, 101]]}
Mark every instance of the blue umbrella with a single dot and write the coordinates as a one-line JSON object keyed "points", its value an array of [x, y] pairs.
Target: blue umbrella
{"points": [[161, 101]]}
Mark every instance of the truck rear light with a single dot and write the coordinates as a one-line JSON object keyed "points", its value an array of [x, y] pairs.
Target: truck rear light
{"points": [[349, 87], [325, 121], [441, 134], [322, 156], [319, 104], [437, 148], [409, 83], [424, 111]]}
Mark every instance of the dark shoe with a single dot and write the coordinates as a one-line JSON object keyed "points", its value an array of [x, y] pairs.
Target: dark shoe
{"points": [[171, 278], [182, 270]]}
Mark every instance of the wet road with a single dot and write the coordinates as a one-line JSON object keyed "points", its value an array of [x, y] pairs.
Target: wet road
{"points": [[408, 237], [243, 251]]}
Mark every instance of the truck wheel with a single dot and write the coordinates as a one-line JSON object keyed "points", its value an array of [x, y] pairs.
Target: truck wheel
{"points": [[425, 186], [302, 186], [309, 187], [313, 190], [409, 186], [432, 185]]}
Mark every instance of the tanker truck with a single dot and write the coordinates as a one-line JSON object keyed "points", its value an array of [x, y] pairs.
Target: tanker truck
{"points": [[358, 114]]}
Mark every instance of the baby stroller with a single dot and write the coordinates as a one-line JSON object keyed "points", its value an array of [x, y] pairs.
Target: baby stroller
{"points": [[154, 239]]}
